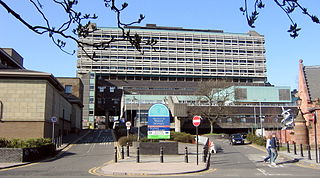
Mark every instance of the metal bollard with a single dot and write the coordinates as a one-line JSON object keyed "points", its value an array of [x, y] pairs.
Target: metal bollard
{"points": [[186, 155], [128, 151], [294, 148], [288, 147], [204, 155], [138, 155], [122, 152], [319, 154], [301, 150], [115, 154], [161, 154], [309, 152]]}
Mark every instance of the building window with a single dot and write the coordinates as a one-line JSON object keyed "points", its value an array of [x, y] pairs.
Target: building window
{"points": [[68, 89], [240, 93], [112, 89], [284, 94]]}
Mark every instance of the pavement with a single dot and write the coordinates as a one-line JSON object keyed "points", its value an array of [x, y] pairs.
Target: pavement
{"points": [[172, 164], [66, 142], [299, 159], [302, 159], [151, 165]]}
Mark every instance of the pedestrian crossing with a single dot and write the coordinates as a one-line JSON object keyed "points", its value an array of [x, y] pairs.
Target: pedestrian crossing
{"points": [[258, 159]]}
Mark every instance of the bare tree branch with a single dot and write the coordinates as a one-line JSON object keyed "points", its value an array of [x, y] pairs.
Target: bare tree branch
{"points": [[287, 6]]}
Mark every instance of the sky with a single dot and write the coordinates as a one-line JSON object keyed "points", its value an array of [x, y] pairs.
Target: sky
{"points": [[282, 51]]}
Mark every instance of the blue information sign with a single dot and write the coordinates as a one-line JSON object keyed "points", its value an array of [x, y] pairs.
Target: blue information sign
{"points": [[158, 122]]}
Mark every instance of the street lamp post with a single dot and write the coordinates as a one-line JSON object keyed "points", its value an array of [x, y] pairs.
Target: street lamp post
{"points": [[315, 131], [255, 117], [261, 120], [139, 118], [315, 135]]}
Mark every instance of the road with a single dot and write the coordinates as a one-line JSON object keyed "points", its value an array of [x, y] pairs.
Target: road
{"points": [[97, 148], [247, 161], [93, 150]]}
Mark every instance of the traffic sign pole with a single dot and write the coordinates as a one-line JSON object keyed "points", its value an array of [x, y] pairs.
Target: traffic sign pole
{"points": [[52, 132], [196, 122], [197, 145]]}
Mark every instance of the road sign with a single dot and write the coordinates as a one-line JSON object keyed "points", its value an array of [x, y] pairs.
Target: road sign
{"points": [[158, 122], [54, 119], [196, 121], [128, 123]]}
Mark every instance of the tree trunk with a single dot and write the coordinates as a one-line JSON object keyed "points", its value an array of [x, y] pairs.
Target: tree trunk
{"points": [[211, 127]]}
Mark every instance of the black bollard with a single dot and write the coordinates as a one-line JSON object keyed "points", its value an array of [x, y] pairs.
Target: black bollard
{"points": [[122, 152], [301, 150], [115, 154], [186, 155], [128, 151], [288, 147], [204, 154], [161, 154], [319, 154], [309, 152], [294, 148], [138, 155]]}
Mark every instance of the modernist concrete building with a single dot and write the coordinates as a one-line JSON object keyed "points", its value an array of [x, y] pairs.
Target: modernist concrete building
{"points": [[247, 107], [173, 66]]}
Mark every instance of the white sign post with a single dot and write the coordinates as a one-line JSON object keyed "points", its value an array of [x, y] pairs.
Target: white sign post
{"points": [[196, 120], [53, 120], [128, 124]]}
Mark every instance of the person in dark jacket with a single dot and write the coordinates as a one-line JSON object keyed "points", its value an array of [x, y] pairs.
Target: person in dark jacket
{"points": [[273, 148]]}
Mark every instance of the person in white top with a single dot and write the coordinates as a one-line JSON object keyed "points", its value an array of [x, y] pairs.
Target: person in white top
{"points": [[268, 148]]}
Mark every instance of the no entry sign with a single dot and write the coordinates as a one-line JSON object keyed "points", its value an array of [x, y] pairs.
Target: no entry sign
{"points": [[196, 121]]}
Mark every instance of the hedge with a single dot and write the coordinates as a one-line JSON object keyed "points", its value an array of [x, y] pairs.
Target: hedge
{"points": [[24, 143], [256, 139]]}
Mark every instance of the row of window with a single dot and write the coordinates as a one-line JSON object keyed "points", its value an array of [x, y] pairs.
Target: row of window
{"points": [[162, 49], [179, 59], [173, 69], [194, 39]]}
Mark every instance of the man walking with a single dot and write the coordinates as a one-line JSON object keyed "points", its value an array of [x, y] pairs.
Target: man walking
{"points": [[273, 149], [268, 148]]}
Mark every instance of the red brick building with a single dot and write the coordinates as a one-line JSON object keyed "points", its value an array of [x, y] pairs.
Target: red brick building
{"points": [[309, 103]]}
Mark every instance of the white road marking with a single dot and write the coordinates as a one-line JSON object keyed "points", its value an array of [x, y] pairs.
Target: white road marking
{"points": [[264, 172]]}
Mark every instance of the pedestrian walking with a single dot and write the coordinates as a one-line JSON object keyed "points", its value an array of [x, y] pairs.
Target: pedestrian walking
{"points": [[273, 148], [268, 148]]}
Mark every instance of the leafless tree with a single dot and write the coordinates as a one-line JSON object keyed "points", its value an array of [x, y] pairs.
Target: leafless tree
{"points": [[288, 7], [77, 23], [213, 98]]}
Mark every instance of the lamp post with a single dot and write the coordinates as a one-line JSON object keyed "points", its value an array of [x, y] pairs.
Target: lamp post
{"points": [[315, 130], [255, 117], [260, 119], [139, 117]]}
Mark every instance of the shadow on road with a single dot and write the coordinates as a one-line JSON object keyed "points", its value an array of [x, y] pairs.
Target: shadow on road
{"points": [[289, 161]]}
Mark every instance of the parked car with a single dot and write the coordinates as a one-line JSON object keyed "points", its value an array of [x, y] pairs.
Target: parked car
{"points": [[236, 139]]}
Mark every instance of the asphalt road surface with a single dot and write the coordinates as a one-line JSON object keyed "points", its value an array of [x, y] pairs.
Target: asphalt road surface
{"points": [[97, 148], [93, 150]]}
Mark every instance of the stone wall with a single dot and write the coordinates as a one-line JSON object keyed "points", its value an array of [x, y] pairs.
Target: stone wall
{"points": [[22, 129], [10, 155], [26, 154], [153, 148]]}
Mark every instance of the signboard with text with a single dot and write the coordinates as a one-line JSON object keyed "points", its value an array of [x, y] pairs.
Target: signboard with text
{"points": [[158, 122]]}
